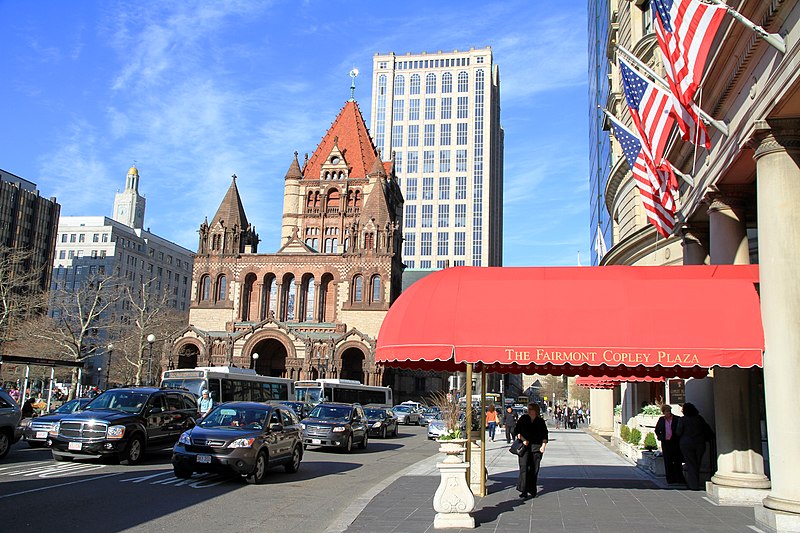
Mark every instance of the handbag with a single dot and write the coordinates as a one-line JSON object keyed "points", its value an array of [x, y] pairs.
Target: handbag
{"points": [[518, 448]]}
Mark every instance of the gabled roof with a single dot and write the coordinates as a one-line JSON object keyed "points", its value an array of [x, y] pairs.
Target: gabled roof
{"points": [[350, 130], [231, 210], [294, 245]]}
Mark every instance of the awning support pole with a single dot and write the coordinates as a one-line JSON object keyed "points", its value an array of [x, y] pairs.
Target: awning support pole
{"points": [[25, 385], [50, 390], [483, 432], [468, 430]]}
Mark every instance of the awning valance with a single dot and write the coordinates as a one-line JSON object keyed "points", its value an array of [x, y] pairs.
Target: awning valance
{"points": [[615, 320], [606, 382]]}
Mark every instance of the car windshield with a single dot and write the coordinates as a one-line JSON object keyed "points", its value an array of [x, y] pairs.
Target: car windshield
{"points": [[331, 412], [375, 413], [69, 407], [195, 385], [236, 418], [402, 408], [120, 400]]}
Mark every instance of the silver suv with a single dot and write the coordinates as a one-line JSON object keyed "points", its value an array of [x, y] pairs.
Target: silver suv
{"points": [[9, 420]]}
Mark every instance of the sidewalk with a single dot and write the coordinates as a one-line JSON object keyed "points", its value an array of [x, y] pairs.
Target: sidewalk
{"points": [[583, 486]]}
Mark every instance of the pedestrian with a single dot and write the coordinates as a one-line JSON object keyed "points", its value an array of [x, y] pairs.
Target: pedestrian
{"points": [[491, 421], [667, 433], [694, 432], [27, 408], [532, 431], [509, 422], [205, 404], [14, 393]]}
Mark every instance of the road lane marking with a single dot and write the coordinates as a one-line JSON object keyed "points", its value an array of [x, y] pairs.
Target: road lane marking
{"points": [[202, 481], [56, 486], [50, 470]]}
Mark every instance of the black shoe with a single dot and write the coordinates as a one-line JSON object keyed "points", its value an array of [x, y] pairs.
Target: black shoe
{"points": [[523, 495]]}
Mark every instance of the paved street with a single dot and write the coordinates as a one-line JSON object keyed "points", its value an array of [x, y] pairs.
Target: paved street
{"points": [[89, 495]]}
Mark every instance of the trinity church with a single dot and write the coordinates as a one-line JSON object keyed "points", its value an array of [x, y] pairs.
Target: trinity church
{"points": [[314, 307]]}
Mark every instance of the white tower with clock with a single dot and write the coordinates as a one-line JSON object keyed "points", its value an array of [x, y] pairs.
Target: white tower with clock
{"points": [[129, 204]]}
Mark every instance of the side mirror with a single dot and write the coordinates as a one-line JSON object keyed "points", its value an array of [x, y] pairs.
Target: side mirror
{"points": [[276, 427]]}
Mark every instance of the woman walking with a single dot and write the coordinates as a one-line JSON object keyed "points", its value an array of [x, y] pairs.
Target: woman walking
{"points": [[694, 432], [532, 431], [491, 421]]}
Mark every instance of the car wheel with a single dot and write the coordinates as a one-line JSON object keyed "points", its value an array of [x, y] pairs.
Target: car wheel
{"points": [[32, 444], [260, 471], [182, 472], [61, 458], [418, 421], [5, 443], [292, 467], [383, 432], [364, 442], [135, 451], [348, 446]]}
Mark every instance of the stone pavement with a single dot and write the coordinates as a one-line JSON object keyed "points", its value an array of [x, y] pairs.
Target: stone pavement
{"points": [[583, 486]]}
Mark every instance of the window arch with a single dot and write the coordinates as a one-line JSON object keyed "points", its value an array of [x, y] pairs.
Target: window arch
{"points": [[430, 83], [376, 288], [289, 298], [447, 82], [399, 85], [463, 82], [333, 198], [222, 288], [358, 289], [205, 288], [414, 85]]}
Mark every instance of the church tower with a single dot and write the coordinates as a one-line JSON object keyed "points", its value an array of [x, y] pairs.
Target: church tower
{"points": [[229, 232], [129, 204]]}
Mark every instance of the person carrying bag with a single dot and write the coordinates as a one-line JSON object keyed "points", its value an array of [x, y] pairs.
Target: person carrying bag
{"points": [[531, 431]]}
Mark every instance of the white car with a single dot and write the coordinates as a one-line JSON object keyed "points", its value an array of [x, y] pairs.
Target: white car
{"points": [[436, 428], [406, 414]]}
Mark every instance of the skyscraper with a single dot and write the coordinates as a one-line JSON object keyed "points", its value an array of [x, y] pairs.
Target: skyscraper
{"points": [[439, 114]]}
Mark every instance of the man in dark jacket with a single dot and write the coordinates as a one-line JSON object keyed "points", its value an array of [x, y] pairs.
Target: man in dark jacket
{"points": [[667, 433], [532, 431], [509, 421]]}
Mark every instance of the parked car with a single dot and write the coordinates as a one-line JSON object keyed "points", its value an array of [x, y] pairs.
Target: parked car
{"points": [[428, 415], [406, 414], [301, 409], [336, 424], [123, 423], [36, 430], [382, 421], [9, 421], [245, 438]]}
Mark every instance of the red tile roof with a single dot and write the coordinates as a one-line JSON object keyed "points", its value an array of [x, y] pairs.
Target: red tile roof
{"points": [[353, 141]]}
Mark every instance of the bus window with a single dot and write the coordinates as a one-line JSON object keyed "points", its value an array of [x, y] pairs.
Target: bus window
{"points": [[214, 389], [329, 395]]}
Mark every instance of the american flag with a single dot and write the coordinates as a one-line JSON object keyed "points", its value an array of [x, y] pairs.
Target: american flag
{"points": [[685, 30], [658, 201], [650, 107]]}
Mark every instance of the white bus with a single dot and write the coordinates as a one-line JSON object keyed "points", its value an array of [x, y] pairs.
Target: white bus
{"points": [[342, 390], [229, 384]]}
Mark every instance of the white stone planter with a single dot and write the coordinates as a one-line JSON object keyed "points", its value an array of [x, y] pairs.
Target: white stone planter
{"points": [[453, 500]]}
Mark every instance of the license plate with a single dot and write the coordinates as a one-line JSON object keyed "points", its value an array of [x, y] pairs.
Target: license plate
{"points": [[42, 435], [204, 459], [74, 446], [316, 441]]}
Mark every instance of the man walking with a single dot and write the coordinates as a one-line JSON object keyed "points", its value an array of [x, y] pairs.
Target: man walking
{"points": [[532, 431], [667, 433], [509, 422]]}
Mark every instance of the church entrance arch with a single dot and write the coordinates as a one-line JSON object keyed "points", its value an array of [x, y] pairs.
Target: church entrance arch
{"points": [[188, 354], [271, 359], [353, 364]]}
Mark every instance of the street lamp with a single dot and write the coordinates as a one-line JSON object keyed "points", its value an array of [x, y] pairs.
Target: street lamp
{"points": [[255, 360], [150, 340], [99, 375], [110, 349]]}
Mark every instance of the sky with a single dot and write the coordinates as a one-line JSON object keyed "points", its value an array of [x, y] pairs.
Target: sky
{"points": [[194, 92]]}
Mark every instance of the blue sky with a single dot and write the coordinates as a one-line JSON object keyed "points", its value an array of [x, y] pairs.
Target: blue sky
{"points": [[197, 91]]}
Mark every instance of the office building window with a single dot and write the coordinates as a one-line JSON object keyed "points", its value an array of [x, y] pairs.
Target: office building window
{"points": [[461, 107], [380, 118], [444, 161], [444, 184], [461, 216], [430, 83], [413, 87], [413, 163], [413, 109], [63, 237], [409, 245], [399, 109], [397, 136], [430, 109], [426, 243], [411, 189], [459, 244], [461, 160], [461, 187], [413, 135], [424, 265], [461, 133], [399, 85], [410, 264], [411, 216], [62, 254], [447, 107], [398, 162], [427, 216], [445, 134], [447, 82], [427, 164], [463, 82], [430, 134], [442, 244], [444, 215]]}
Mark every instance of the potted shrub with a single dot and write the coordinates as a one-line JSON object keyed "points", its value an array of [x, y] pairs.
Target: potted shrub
{"points": [[624, 433], [635, 437], [650, 443]]}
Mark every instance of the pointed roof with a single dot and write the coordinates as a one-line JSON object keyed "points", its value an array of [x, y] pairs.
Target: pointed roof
{"points": [[376, 206], [231, 210], [294, 169], [378, 168], [350, 130]]}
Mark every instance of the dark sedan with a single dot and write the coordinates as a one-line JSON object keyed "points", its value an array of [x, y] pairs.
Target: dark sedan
{"points": [[36, 430], [336, 424], [382, 422], [245, 438]]}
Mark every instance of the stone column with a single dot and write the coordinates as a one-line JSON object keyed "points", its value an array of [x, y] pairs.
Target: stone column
{"points": [[695, 247], [601, 402], [777, 158], [740, 478]]}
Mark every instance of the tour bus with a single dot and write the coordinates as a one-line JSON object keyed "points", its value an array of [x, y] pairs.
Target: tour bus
{"points": [[342, 390], [229, 384]]}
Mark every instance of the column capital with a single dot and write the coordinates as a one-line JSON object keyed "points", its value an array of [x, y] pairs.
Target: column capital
{"points": [[775, 135], [694, 233], [728, 199]]}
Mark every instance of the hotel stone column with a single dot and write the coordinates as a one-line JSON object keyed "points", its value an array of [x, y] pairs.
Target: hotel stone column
{"points": [[777, 155], [601, 402], [740, 477], [695, 249]]}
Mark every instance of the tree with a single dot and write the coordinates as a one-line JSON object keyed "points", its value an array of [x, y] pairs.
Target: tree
{"points": [[21, 295]]}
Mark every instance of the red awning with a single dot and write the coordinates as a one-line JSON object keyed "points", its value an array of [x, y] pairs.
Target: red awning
{"points": [[606, 382], [614, 320]]}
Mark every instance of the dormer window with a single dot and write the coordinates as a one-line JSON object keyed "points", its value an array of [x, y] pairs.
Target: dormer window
{"points": [[335, 160]]}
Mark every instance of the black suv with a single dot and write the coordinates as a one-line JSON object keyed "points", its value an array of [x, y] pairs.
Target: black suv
{"points": [[123, 423], [336, 424]]}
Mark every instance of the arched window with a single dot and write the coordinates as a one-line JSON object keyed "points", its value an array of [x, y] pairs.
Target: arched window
{"points": [[447, 82], [289, 298], [463, 82], [358, 288], [369, 241], [222, 288], [399, 85], [430, 83], [358, 198], [309, 297], [310, 200], [414, 86], [316, 199], [205, 288], [376, 288], [333, 199]]}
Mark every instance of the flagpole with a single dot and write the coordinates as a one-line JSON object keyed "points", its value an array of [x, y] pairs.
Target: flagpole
{"points": [[773, 39], [718, 124]]}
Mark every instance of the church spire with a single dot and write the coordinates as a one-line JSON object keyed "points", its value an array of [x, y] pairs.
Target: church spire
{"points": [[229, 231], [231, 210]]}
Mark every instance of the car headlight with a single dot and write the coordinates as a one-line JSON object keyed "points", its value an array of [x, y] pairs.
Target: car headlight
{"points": [[115, 432], [242, 443], [54, 428], [376, 425], [185, 439], [27, 422], [303, 425], [339, 429]]}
